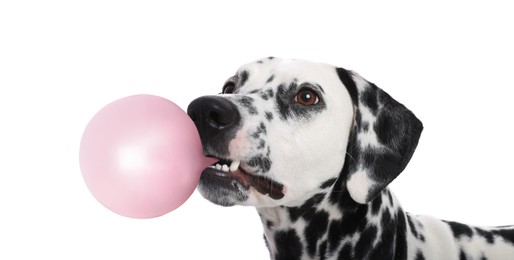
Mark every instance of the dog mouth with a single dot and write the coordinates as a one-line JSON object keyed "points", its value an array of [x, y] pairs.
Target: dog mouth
{"points": [[232, 175]]}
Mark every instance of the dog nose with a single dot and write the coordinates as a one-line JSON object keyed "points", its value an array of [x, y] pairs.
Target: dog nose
{"points": [[214, 117]]}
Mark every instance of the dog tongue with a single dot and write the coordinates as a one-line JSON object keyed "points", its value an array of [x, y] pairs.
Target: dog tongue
{"points": [[261, 184], [269, 187]]}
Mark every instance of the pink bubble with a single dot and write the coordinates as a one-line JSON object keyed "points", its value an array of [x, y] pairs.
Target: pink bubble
{"points": [[141, 156]]}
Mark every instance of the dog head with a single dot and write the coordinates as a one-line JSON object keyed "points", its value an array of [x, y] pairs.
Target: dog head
{"points": [[286, 129]]}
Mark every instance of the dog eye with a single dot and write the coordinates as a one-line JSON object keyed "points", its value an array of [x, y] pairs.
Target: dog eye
{"points": [[306, 97], [229, 86]]}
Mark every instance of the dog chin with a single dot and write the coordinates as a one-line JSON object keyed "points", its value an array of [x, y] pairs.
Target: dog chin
{"points": [[220, 189]]}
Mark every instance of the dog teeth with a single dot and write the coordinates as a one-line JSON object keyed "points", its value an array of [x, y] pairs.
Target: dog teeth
{"points": [[234, 165]]}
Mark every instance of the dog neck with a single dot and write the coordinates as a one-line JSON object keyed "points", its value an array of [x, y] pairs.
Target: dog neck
{"points": [[331, 224]]}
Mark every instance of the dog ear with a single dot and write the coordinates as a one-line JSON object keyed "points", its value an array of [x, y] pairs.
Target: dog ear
{"points": [[382, 140]]}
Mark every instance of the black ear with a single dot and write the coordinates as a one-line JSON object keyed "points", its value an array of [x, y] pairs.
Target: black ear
{"points": [[382, 140]]}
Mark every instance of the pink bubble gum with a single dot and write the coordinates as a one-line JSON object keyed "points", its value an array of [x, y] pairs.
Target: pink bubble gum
{"points": [[141, 156]]}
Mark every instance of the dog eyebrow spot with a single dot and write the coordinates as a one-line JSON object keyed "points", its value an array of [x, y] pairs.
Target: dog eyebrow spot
{"points": [[243, 78], [282, 99], [270, 78]]}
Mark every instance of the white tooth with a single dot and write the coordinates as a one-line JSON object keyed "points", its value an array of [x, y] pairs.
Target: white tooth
{"points": [[234, 165], [212, 166], [218, 167], [224, 168]]}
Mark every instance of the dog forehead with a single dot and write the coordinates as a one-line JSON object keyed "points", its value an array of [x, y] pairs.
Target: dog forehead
{"points": [[279, 71]]}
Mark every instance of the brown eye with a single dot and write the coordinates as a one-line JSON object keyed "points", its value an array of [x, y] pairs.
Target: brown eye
{"points": [[306, 97]]}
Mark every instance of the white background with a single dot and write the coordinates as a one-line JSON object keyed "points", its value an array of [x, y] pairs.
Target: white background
{"points": [[61, 61]]}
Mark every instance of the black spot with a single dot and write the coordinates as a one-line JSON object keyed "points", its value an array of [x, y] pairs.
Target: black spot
{"points": [[346, 252], [261, 162], [363, 245], [269, 116], [247, 102], [401, 236], [353, 219], [390, 197], [261, 145], [349, 83], [270, 57], [462, 255], [243, 78], [412, 226], [288, 245], [264, 96], [307, 210], [385, 247], [266, 241], [282, 104], [386, 219], [334, 235], [253, 91], [315, 229], [375, 205], [460, 230], [262, 128], [259, 61], [270, 92], [506, 234], [358, 120], [269, 224], [369, 98], [270, 79], [322, 250], [327, 183], [419, 255], [488, 236]]}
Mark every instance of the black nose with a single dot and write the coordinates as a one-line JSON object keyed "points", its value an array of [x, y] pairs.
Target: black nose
{"points": [[216, 119]]}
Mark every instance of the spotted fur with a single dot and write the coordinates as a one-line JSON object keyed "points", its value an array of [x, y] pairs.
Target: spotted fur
{"points": [[318, 146]]}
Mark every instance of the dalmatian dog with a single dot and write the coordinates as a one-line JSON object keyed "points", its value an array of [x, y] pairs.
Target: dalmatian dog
{"points": [[313, 147]]}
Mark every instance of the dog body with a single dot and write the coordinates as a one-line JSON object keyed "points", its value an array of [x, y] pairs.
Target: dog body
{"points": [[313, 148]]}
